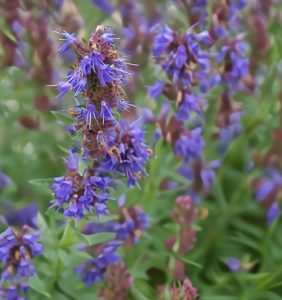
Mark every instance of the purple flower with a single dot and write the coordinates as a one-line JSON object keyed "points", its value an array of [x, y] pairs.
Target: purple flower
{"points": [[93, 270], [162, 41], [14, 292], [180, 56], [272, 213], [4, 180], [191, 104], [105, 112], [68, 38], [228, 134], [156, 90], [233, 264], [128, 153], [123, 105], [190, 145], [91, 62], [16, 251], [104, 5], [90, 113], [72, 162], [264, 190], [24, 216], [77, 194]]}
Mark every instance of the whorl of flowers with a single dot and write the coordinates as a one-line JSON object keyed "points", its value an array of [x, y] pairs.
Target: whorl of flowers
{"points": [[17, 248]]}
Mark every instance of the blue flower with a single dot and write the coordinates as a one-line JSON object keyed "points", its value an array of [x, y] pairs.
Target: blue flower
{"points": [[90, 113], [105, 112], [91, 62], [104, 5], [180, 56], [68, 38], [93, 270], [233, 264], [272, 213], [16, 251], [156, 90], [77, 194], [123, 105], [129, 153], [162, 41], [191, 103], [190, 145], [4, 180], [264, 190]]}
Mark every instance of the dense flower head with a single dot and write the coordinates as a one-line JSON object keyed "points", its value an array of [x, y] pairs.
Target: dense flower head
{"points": [[17, 248], [93, 270], [128, 152], [182, 57], [76, 194]]}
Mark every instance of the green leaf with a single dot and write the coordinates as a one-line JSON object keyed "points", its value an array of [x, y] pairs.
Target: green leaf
{"points": [[41, 182], [68, 238], [190, 262], [37, 285], [62, 117], [97, 238], [7, 31]]}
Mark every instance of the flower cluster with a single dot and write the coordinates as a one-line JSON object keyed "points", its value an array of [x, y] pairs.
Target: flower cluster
{"points": [[17, 248]]}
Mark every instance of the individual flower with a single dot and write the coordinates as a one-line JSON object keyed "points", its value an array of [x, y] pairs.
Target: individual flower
{"points": [[93, 270], [234, 264], [68, 40], [4, 180]]}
